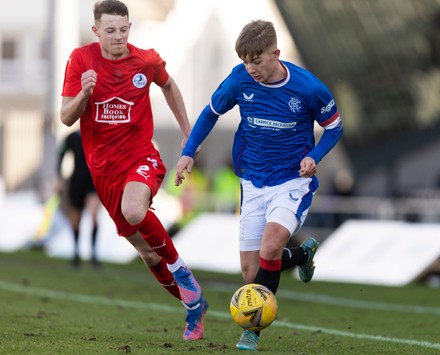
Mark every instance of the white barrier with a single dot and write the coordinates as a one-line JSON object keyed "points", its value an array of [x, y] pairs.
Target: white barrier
{"points": [[378, 252]]}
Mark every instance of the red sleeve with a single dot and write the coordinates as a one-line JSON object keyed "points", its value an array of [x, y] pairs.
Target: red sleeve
{"points": [[72, 75], [161, 76]]}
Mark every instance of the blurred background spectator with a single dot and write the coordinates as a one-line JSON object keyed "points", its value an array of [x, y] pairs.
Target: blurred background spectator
{"points": [[79, 194]]}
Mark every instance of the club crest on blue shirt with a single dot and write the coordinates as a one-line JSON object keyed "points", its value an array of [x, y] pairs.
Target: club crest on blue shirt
{"points": [[295, 104]]}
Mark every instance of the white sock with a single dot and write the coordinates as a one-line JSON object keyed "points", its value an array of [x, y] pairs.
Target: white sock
{"points": [[176, 266]]}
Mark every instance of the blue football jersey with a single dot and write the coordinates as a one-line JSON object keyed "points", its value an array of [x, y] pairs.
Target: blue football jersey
{"points": [[276, 129]]}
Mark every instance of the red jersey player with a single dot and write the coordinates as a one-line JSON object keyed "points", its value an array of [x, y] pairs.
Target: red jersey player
{"points": [[106, 86]]}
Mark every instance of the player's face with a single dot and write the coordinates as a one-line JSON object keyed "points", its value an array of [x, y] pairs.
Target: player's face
{"points": [[264, 68], [112, 31]]}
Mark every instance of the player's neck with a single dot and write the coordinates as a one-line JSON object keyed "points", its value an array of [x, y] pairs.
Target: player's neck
{"points": [[108, 55], [279, 74]]}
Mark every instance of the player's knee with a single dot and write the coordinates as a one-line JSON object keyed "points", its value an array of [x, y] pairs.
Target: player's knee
{"points": [[133, 214]]}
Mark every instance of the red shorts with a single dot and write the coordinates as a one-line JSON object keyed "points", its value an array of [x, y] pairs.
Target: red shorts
{"points": [[150, 171]]}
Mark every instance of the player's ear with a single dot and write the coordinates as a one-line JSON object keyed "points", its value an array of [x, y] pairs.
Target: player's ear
{"points": [[95, 30], [276, 54]]}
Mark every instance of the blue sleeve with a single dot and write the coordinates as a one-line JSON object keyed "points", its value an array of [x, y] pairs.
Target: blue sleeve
{"points": [[328, 140], [203, 126]]}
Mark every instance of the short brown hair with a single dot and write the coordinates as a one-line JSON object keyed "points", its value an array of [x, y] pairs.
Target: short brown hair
{"points": [[255, 38], [110, 7]]}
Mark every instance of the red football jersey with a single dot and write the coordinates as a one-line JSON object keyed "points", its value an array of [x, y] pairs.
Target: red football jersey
{"points": [[117, 123]]}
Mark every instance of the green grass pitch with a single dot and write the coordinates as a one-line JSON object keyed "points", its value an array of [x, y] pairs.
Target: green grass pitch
{"points": [[49, 308]]}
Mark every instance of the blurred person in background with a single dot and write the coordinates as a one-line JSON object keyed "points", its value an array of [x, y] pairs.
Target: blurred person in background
{"points": [[80, 194], [274, 155], [107, 86], [226, 189], [192, 197]]}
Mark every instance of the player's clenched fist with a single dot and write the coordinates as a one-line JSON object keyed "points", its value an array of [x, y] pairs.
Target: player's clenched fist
{"points": [[307, 167], [88, 81]]}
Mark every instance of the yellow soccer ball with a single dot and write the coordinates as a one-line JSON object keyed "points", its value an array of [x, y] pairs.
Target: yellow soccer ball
{"points": [[253, 307]]}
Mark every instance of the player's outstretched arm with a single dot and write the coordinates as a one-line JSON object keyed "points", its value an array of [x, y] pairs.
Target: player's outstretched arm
{"points": [[204, 124], [175, 101]]}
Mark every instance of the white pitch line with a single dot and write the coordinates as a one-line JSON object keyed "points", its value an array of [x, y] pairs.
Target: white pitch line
{"points": [[346, 302], [342, 302], [33, 291], [425, 344]]}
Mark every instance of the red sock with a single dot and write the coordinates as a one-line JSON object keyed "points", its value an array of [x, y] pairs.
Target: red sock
{"points": [[165, 278], [157, 237], [271, 265]]}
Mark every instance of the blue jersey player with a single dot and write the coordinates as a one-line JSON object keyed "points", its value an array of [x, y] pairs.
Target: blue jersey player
{"points": [[274, 153]]}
